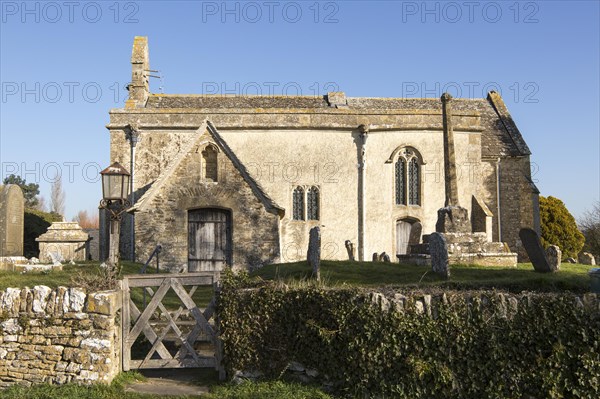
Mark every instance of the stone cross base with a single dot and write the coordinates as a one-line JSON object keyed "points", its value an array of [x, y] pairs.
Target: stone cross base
{"points": [[453, 219]]}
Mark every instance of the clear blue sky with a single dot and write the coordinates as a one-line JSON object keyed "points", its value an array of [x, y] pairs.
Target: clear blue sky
{"points": [[65, 65]]}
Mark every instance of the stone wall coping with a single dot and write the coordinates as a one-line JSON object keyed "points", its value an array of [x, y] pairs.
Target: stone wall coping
{"points": [[263, 111], [42, 299]]}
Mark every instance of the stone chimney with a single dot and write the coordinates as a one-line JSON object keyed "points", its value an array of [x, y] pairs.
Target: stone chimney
{"points": [[139, 88]]}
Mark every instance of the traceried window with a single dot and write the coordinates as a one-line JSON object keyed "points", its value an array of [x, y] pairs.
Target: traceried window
{"points": [[413, 182], [407, 178], [209, 163], [313, 203], [298, 205], [401, 181], [306, 203]]}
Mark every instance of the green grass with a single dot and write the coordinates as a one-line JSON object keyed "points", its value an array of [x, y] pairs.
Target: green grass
{"points": [[56, 278], [116, 390], [571, 277], [267, 390]]}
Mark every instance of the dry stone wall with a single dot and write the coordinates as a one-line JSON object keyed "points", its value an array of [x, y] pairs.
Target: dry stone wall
{"points": [[58, 336]]}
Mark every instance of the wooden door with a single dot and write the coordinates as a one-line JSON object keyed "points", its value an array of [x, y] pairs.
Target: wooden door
{"points": [[209, 239], [402, 236]]}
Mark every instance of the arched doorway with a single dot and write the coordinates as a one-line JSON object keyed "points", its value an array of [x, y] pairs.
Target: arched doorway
{"points": [[407, 230], [402, 235], [209, 239]]}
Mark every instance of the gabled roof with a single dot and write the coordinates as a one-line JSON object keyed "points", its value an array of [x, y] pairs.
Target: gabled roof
{"points": [[164, 177], [500, 135], [508, 122]]}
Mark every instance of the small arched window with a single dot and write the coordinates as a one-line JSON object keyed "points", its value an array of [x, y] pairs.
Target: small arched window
{"points": [[209, 163], [407, 177], [313, 203], [298, 205], [414, 182], [400, 181]]}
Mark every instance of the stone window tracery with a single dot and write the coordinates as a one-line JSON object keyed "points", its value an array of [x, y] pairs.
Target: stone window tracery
{"points": [[306, 203], [313, 203], [298, 205], [407, 178]]}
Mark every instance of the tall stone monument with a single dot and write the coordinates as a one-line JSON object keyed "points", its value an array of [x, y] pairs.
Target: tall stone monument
{"points": [[313, 254], [12, 210], [453, 226], [452, 218]]}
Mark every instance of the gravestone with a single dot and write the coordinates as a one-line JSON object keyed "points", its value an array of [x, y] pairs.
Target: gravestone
{"points": [[586, 258], [375, 257], [553, 256], [570, 260], [535, 252], [349, 249], [439, 254], [383, 257], [414, 236], [314, 251], [12, 211]]}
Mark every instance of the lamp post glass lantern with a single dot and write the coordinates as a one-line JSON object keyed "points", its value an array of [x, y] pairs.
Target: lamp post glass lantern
{"points": [[115, 183], [115, 199]]}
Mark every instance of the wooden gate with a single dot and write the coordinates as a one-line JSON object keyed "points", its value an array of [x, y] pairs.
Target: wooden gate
{"points": [[177, 333], [209, 239]]}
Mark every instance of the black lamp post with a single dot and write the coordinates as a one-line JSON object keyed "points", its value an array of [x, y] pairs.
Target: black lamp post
{"points": [[115, 199]]}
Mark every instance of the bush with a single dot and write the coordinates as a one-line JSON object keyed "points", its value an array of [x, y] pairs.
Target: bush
{"points": [[559, 227], [36, 223], [472, 345]]}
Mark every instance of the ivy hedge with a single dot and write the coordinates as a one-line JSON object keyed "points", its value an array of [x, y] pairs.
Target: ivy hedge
{"points": [[447, 345]]}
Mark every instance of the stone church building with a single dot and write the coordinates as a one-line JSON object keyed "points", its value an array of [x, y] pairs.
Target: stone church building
{"points": [[240, 180]]}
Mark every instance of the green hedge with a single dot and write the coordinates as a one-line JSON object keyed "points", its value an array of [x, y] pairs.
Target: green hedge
{"points": [[472, 345], [36, 223]]}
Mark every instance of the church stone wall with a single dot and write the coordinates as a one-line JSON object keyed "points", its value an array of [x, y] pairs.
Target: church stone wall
{"points": [[255, 233], [517, 201], [282, 159], [282, 148]]}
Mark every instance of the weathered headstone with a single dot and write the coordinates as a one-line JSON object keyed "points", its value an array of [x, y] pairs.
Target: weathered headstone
{"points": [[314, 251], [553, 256], [414, 236], [349, 249], [375, 257], [12, 211], [586, 258], [570, 260], [535, 252], [385, 258], [439, 254]]}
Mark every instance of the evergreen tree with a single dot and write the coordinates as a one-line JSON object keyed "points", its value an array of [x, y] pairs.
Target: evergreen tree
{"points": [[559, 227], [30, 191]]}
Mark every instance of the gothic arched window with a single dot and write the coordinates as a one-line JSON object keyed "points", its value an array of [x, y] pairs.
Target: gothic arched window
{"points": [[414, 183], [400, 181], [298, 204], [313, 203], [407, 177], [209, 163]]}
